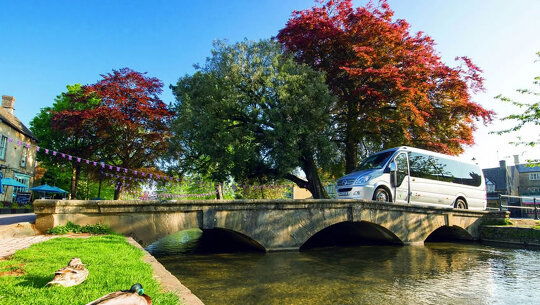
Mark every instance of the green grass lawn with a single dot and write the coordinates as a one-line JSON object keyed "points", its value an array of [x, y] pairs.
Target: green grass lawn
{"points": [[113, 264]]}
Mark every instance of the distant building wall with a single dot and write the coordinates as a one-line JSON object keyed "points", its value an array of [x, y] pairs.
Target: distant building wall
{"points": [[301, 193], [529, 183], [16, 161]]}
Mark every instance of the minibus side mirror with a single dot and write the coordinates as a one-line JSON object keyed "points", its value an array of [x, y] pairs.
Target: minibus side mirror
{"points": [[393, 173], [392, 167]]}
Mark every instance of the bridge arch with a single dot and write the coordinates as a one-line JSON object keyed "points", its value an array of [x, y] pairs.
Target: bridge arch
{"points": [[232, 239], [196, 240], [351, 233], [448, 233]]}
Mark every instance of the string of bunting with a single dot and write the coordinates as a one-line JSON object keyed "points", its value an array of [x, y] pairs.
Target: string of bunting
{"points": [[145, 195], [146, 177], [103, 165]]}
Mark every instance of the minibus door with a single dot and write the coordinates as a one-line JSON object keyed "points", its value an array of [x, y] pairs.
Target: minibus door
{"points": [[401, 179]]}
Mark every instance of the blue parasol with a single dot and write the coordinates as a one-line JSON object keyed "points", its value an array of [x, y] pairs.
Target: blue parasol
{"points": [[48, 189]]}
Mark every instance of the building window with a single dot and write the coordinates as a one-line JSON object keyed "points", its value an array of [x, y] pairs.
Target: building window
{"points": [[24, 179], [490, 186], [3, 147], [534, 176], [24, 156]]}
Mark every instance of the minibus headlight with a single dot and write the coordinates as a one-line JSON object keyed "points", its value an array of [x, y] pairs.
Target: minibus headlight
{"points": [[362, 180]]}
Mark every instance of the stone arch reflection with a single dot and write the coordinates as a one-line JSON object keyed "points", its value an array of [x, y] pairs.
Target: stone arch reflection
{"points": [[351, 234], [217, 240]]}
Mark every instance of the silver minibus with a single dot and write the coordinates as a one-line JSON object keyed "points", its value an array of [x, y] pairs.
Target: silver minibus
{"points": [[417, 176]]}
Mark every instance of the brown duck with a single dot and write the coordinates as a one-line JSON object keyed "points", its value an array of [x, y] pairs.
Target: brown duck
{"points": [[73, 274], [134, 296]]}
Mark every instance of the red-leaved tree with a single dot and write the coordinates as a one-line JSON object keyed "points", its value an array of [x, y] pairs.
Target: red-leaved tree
{"points": [[392, 86], [131, 122]]}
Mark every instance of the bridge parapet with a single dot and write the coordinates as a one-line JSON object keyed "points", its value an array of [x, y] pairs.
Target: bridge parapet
{"points": [[273, 224]]}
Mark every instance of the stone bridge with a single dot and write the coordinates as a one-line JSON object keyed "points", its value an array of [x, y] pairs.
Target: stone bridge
{"points": [[269, 225]]}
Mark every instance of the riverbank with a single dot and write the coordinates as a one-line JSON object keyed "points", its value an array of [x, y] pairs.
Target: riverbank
{"points": [[113, 263], [525, 232]]}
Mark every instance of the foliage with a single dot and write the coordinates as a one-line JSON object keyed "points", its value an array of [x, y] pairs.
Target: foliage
{"points": [[264, 192], [252, 113], [113, 264], [56, 134], [392, 87], [198, 186], [14, 205], [75, 228], [131, 119], [530, 115], [192, 185], [119, 120], [497, 222]]}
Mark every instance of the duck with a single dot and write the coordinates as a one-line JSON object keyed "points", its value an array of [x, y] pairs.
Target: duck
{"points": [[134, 296], [73, 274]]}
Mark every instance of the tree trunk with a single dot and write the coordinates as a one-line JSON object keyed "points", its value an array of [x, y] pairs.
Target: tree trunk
{"points": [[351, 154], [351, 144], [99, 187], [118, 190], [219, 191], [314, 184], [75, 171]]}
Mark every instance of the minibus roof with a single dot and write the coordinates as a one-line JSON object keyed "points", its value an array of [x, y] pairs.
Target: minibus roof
{"points": [[427, 152]]}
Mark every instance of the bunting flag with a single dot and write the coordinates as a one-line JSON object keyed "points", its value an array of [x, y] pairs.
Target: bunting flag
{"points": [[146, 177]]}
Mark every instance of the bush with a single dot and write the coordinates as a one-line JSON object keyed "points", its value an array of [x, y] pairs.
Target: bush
{"points": [[497, 222], [74, 228], [263, 192]]}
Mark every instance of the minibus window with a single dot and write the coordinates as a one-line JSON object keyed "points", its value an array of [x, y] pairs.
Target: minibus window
{"points": [[423, 166], [435, 168], [374, 161], [402, 168]]}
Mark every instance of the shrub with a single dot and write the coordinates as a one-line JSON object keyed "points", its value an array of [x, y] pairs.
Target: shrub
{"points": [[497, 222], [74, 228]]}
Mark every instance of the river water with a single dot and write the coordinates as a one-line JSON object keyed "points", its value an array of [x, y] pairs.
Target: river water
{"points": [[437, 273]]}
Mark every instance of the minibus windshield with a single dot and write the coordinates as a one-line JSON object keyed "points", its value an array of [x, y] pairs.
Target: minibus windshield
{"points": [[375, 161]]}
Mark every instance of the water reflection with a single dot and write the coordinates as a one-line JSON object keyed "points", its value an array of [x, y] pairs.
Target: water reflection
{"points": [[438, 273]]}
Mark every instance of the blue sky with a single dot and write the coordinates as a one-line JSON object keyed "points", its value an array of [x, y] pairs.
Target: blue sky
{"points": [[46, 45]]}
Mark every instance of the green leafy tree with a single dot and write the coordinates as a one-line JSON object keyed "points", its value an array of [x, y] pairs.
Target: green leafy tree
{"points": [[253, 113], [529, 116]]}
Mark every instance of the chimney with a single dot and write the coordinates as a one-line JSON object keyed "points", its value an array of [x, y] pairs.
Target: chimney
{"points": [[516, 159], [8, 102], [502, 164]]}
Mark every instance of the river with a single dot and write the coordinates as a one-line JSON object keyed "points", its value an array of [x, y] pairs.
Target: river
{"points": [[437, 273]]}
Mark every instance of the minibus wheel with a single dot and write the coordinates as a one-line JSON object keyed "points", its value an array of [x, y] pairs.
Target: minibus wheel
{"points": [[460, 204], [381, 194]]}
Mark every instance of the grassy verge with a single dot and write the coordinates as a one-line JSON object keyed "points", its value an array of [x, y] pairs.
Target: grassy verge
{"points": [[113, 264], [497, 222]]}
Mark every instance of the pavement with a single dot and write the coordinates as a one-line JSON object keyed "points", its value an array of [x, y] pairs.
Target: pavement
{"points": [[16, 233], [9, 219], [8, 246]]}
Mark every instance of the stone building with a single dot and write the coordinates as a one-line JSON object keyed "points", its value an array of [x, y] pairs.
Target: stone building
{"points": [[16, 161], [502, 180], [516, 180]]}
